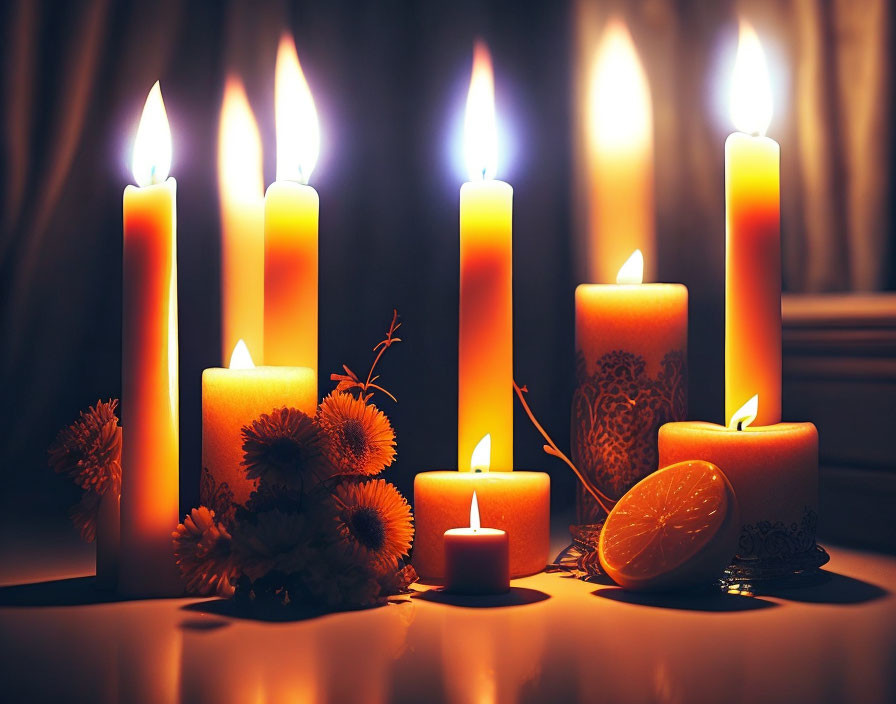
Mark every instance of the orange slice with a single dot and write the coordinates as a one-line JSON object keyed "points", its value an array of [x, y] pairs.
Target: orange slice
{"points": [[675, 528]]}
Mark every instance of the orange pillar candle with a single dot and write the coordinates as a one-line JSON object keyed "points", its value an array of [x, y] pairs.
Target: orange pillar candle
{"points": [[291, 223], [485, 340], [241, 186], [476, 558], [620, 161], [774, 472], [519, 503], [753, 242], [149, 373], [631, 377], [232, 398]]}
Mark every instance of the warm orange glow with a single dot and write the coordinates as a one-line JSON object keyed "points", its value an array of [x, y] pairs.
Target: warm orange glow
{"points": [[152, 147], [474, 513], [298, 132], [239, 147], [745, 415], [632, 272], [751, 94], [480, 126], [482, 455], [241, 359], [620, 105]]}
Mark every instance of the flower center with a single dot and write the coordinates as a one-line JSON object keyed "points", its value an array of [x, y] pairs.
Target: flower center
{"points": [[367, 527], [354, 437], [284, 452]]}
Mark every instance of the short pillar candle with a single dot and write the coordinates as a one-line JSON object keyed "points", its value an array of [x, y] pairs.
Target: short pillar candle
{"points": [[519, 503], [774, 472], [231, 399], [477, 559]]}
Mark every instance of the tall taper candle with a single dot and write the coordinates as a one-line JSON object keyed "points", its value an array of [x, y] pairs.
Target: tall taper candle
{"points": [[290, 223], [241, 185], [485, 344], [753, 242], [149, 374]]}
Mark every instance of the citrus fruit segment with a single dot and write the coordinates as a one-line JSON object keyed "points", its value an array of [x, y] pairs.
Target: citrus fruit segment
{"points": [[675, 528]]}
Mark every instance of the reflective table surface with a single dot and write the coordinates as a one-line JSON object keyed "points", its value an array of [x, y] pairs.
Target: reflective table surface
{"points": [[552, 639]]}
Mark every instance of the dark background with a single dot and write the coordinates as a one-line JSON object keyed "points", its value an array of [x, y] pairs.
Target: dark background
{"points": [[389, 80]]}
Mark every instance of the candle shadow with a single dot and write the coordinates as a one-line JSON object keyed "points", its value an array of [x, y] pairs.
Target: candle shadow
{"points": [[72, 591], [517, 596], [261, 612], [711, 600], [826, 587]]}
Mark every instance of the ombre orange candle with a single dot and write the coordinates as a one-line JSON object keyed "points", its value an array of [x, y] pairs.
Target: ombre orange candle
{"points": [[241, 185], [233, 398], [753, 241], [774, 472], [518, 503], [291, 223], [149, 373], [485, 339], [620, 162], [631, 377]]}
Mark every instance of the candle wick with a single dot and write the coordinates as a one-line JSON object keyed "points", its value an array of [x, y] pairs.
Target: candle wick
{"points": [[740, 425]]}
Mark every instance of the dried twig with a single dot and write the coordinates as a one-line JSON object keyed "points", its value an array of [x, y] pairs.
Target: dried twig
{"points": [[605, 502]]}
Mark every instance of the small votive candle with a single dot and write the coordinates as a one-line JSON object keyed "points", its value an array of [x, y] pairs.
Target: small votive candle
{"points": [[477, 560]]}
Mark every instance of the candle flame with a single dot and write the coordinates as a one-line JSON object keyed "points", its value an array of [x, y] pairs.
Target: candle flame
{"points": [[298, 132], [620, 106], [480, 124], [241, 359], [240, 176], [751, 92], [474, 513], [745, 415], [152, 147], [482, 454], [632, 272]]}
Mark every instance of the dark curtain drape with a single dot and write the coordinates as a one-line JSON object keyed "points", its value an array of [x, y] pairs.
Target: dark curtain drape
{"points": [[389, 80]]}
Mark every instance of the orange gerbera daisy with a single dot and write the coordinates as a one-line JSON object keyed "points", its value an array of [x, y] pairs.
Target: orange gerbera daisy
{"points": [[202, 552], [359, 437], [283, 448], [373, 522], [89, 450]]}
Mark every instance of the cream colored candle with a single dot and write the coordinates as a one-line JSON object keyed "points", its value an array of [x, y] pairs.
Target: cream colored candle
{"points": [[149, 373], [753, 241], [620, 160], [774, 472], [241, 187], [233, 398], [485, 339], [291, 223]]}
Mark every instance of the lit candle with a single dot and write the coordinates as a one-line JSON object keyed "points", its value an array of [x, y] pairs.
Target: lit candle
{"points": [[620, 164], [519, 503], [774, 472], [241, 186], [476, 558], [232, 398], [290, 222], [149, 374], [631, 377], [753, 241], [485, 351]]}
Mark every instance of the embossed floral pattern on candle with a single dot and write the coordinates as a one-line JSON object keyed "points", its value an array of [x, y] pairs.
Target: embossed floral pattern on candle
{"points": [[617, 411]]}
